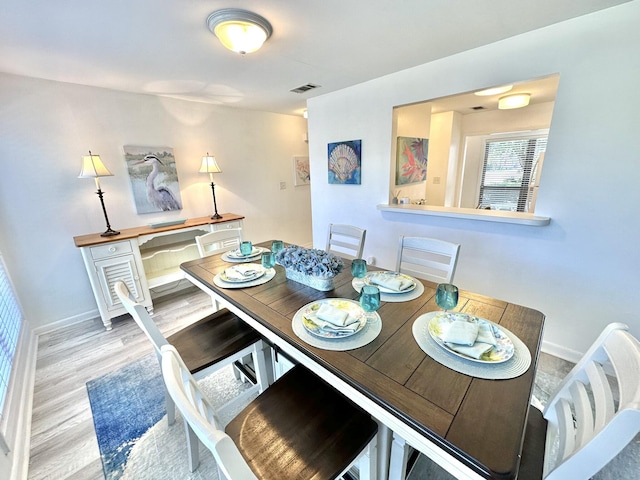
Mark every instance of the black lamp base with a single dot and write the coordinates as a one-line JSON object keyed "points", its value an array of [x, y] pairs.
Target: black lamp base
{"points": [[109, 233], [216, 215]]}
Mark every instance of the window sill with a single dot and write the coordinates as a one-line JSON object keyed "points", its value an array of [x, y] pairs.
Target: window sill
{"points": [[497, 216]]}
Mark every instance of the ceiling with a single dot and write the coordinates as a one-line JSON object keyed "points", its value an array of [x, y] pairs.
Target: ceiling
{"points": [[163, 47]]}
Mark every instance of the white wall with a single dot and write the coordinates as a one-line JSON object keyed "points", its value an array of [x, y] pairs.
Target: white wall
{"points": [[589, 182], [45, 128]]}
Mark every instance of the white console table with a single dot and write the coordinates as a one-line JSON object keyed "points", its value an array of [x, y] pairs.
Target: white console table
{"points": [[145, 258]]}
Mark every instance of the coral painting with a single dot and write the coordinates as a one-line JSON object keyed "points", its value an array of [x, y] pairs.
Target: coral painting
{"points": [[345, 162], [411, 160]]}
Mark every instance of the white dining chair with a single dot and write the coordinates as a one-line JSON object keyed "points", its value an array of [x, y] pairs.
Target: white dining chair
{"points": [[346, 241], [299, 428], [593, 414], [427, 258], [206, 346], [218, 241]]}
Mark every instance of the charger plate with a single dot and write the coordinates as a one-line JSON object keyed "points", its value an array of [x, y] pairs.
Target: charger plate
{"points": [[364, 336], [357, 284], [518, 364]]}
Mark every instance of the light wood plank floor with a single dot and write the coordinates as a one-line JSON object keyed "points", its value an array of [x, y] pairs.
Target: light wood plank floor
{"points": [[63, 440]]}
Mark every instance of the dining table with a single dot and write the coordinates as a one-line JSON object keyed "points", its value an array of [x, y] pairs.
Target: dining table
{"points": [[471, 424]]}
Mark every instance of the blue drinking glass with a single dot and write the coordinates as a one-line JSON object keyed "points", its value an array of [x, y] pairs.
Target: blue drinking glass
{"points": [[268, 260], [359, 267], [447, 296], [246, 248], [370, 301], [277, 245]]}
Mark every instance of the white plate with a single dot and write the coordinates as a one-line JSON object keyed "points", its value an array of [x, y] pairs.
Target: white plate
{"points": [[259, 271], [236, 255], [353, 308], [369, 276], [501, 352]]}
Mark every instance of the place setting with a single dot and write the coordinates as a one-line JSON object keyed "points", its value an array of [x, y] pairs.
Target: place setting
{"points": [[393, 286], [246, 252], [469, 344], [340, 323], [243, 275]]}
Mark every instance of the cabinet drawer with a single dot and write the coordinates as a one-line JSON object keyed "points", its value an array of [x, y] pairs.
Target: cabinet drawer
{"points": [[225, 226], [110, 250]]}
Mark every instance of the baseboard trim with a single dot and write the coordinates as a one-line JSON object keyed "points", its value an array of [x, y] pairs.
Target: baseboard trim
{"points": [[66, 322], [559, 351]]}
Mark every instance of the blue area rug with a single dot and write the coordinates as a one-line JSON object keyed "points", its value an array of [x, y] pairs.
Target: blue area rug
{"points": [[125, 404]]}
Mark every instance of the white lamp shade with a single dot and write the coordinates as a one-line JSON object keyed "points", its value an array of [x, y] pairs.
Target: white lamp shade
{"points": [[92, 167], [209, 165], [517, 100]]}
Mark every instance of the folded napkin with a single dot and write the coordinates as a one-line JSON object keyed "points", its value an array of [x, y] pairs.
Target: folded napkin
{"points": [[334, 316], [485, 334], [461, 332], [350, 328], [241, 272], [474, 351], [396, 283]]}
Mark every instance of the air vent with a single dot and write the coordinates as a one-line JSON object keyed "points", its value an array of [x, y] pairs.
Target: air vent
{"points": [[304, 88], [479, 107]]}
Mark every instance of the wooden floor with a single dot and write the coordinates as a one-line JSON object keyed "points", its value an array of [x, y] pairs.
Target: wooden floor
{"points": [[63, 440]]}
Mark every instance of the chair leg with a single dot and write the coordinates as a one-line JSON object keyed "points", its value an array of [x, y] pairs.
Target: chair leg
{"points": [[193, 446], [399, 458], [259, 354], [368, 463]]}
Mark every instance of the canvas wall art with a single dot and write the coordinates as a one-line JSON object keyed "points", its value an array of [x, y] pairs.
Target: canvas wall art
{"points": [[301, 171], [411, 160], [154, 178], [345, 162]]}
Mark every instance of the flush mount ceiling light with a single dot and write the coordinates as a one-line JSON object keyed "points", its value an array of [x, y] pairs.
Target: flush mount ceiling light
{"points": [[239, 30], [517, 100], [494, 91]]}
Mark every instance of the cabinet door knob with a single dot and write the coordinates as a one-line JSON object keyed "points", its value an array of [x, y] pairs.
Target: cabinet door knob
{"points": [[112, 249]]}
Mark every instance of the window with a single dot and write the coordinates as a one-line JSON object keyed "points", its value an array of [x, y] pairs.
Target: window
{"points": [[10, 324], [509, 172]]}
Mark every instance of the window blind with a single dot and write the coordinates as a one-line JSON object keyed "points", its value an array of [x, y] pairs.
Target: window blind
{"points": [[10, 324], [507, 172]]}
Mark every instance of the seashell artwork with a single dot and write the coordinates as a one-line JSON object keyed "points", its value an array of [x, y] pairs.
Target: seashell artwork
{"points": [[344, 162]]}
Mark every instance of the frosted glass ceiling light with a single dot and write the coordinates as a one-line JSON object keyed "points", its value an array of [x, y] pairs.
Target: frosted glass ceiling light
{"points": [[239, 30], [517, 100], [494, 91]]}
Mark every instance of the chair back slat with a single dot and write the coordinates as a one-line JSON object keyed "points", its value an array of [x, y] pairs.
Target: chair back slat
{"points": [[602, 395], [346, 241], [218, 241], [427, 258], [141, 317]]}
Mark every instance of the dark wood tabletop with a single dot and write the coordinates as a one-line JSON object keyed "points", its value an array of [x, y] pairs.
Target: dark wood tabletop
{"points": [[478, 422]]}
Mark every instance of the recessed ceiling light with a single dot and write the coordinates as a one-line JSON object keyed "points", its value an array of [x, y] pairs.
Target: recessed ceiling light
{"points": [[493, 91]]}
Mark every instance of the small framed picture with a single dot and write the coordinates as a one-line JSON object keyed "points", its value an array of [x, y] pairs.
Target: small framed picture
{"points": [[345, 162], [301, 173]]}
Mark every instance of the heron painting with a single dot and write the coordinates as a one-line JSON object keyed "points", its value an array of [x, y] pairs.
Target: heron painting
{"points": [[154, 179]]}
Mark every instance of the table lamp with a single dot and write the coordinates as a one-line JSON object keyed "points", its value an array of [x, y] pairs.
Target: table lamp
{"points": [[210, 166], [92, 167]]}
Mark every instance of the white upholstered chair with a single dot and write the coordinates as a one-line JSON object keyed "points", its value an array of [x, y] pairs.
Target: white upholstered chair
{"points": [[593, 414], [206, 346], [300, 427], [218, 241], [345, 241], [427, 258]]}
